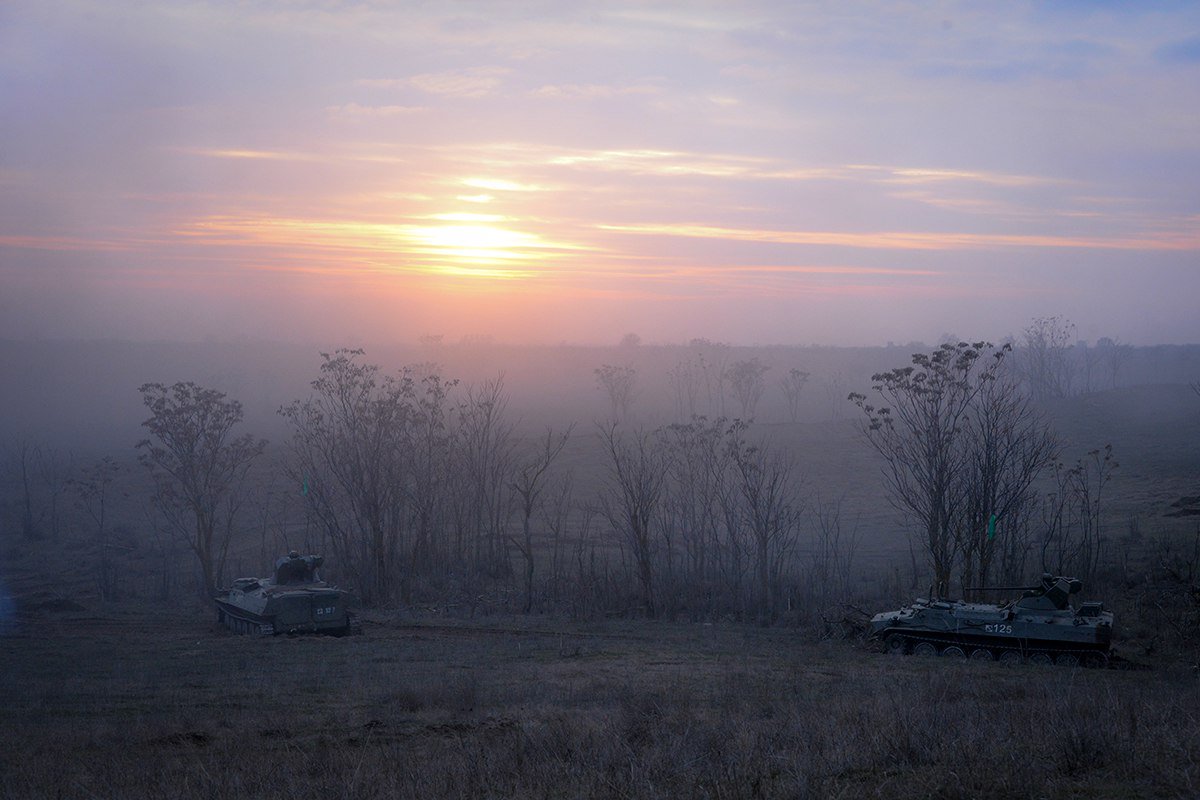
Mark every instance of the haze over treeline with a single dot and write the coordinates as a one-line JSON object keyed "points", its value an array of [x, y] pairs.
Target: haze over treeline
{"points": [[699, 482], [83, 396]]}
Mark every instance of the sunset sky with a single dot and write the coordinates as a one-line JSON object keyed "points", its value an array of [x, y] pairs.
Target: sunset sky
{"points": [[761, 172]]}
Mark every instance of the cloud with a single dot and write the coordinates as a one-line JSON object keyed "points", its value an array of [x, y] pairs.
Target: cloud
{"points": [[356, 111], [909, 240], [591, 91], [242, 153], [918, 175], [64, 243], [470, 83], [499, 185]]}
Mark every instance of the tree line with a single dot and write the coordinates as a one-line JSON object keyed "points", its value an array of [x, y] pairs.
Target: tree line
{"points": [[421, 490]]}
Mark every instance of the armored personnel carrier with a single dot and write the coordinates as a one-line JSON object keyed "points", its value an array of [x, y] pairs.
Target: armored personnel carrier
{"points": [[1041, 627], [295, 600]]}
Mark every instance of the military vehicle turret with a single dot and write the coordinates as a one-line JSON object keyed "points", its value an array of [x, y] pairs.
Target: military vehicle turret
{"points": [[294, 600], [1041, 627]]}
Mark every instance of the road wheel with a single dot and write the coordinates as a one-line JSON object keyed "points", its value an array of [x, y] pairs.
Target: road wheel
{"points": [[1066, 660], [954, 651], [1095, 660], [1011, 658], [982, 654], [896, 644], [1040, 659], [924, 649]]}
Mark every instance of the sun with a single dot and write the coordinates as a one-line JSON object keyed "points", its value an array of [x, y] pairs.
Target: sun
{"points": [[481, 245], [475, 242]]}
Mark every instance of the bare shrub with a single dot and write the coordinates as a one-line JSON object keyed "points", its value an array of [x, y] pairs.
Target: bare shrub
{"points": [[793, 383], [618, 383], [920, 433], [1072, 538], [747, 379], [198, 466]]}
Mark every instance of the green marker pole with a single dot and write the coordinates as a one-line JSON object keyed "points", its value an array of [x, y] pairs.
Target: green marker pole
{"points": [[991, 527]]}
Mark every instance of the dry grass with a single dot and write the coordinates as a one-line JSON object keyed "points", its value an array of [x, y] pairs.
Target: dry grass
{"points": [[132, 704]]}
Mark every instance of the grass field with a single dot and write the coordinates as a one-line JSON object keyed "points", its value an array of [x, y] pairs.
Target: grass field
{"points": [[131, 703]]}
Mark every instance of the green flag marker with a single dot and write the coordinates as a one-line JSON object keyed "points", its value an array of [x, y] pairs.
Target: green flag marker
{"points": [[991, 527], [304, 488]]}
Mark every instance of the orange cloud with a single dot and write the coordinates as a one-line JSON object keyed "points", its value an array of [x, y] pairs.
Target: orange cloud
{"points": [[460, 244], [356, 111], [899, 240], [915, 175], [65, 243]]}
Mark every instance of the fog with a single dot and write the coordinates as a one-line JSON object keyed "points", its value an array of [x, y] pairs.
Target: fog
{"points": [[83, 396]]}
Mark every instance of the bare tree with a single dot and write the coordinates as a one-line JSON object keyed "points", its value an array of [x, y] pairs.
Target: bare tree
{"points": [[1114, 355], [429, 441], [486, 444], [712, 358], [93, 488], [198, 466], [1087, 361], [699, 477], [631, 502], [1016, 540], [55, 469], [347, 451], [1072, 531], [25, 459], [618, 383], [686, 378], [793, 385], [767, 484], [530, 482], [746, 378], [41, 476], [1045, 360], [1009, 444], [835, 393], [834, 550], [556, 517], [918, 434]]}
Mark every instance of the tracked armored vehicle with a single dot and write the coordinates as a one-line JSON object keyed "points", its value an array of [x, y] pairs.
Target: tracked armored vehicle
{"points": [[1041, 627], [294, 600]]}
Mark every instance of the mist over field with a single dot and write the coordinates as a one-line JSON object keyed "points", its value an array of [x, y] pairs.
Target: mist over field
{"points": [[78, 403], [705, 660], [520, 399]]}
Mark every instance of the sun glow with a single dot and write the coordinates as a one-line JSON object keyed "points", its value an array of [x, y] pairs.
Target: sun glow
{"points": [[451, 244], [474, 243]]}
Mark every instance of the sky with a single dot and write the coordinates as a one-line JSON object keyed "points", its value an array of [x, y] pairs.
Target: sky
{"points": [[540, 172]]}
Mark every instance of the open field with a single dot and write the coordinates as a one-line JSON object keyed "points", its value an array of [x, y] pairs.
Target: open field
{"points": [[132, 703], [147, 696]]}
